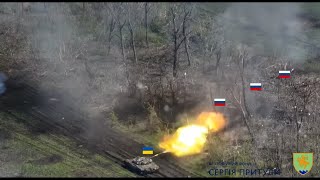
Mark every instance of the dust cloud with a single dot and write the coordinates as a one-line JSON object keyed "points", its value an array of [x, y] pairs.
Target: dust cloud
{"points": [[270, 28]]}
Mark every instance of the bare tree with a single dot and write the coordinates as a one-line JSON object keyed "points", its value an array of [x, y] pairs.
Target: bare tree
{"points": [[186, 18], [112, 24], [240, 99], [301, 93], [147, 8], [118, 11], [130, 27], [215, 43], [132, 16], [177, 34]]}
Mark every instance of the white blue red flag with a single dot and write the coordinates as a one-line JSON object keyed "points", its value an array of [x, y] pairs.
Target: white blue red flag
{"points": [[284, 74], [255, 87], [219, 102]]}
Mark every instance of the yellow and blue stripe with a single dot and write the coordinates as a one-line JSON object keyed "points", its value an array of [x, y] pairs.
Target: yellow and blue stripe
{"points": [[147, 150]]}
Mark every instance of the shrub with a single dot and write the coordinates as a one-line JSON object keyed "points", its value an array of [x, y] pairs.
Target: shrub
{"points": [[157, 25], [154, 123], [114, 118], [154, 38]]}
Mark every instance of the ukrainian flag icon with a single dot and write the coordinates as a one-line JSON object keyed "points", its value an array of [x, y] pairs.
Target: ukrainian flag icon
{"points": [[147, 150]]}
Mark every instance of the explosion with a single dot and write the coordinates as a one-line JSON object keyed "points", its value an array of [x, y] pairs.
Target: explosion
{"points": [[190, 139]]}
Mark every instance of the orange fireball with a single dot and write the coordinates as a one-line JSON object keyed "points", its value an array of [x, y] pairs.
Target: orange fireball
{"points": [[190, 139]]}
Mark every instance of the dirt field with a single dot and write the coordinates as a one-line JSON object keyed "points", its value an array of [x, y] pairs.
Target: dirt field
{"points": [[59, 118]]}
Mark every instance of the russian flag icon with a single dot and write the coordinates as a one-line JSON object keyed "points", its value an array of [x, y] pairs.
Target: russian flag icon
{"points": [[255, 87], [219, 102], [284, 74]]}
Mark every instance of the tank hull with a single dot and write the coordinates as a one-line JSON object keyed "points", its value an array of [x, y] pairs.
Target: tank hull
{"points": [[142, 167]]}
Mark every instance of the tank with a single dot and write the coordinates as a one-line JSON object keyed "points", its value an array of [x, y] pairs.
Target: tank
{"points": [[141, 165]]}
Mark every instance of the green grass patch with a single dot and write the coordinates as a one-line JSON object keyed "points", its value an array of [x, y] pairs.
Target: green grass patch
{"points": [[29, 155], [56, 170]]}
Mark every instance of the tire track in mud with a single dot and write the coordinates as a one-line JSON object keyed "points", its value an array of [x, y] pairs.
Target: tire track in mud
{"points": [[113, 145]]}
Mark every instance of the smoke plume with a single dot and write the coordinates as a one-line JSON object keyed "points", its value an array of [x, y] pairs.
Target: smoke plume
{"points": [[267, 27]]}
